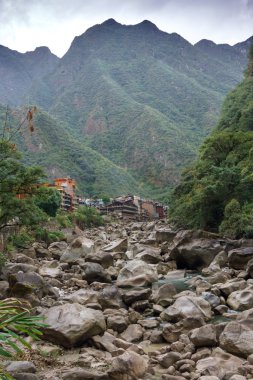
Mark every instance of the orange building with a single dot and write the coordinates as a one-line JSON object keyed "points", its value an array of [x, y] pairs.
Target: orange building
{"points": [[67, 187], [67, 184]]}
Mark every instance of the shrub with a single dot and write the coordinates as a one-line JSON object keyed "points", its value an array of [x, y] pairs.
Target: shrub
{"points": [[21, 240], [87, 217], [48, 236]]}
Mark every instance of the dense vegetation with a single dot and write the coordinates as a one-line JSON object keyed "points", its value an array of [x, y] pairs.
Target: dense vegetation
{"points": [[216, 192], [134, 104]]}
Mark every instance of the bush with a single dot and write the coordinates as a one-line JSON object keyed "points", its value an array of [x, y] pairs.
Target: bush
{"points": [[64, 220], [48, 236], [87, 217], [21, 240]]}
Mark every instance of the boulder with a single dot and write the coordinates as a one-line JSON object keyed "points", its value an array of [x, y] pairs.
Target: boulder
{"points": [[196, 250], [187, 307], [82, 296], [109, 297], [133, 333], [11, 268], [232, 285], [137, 273], [41, 251], [117, 323], [219, 363], [128, 366], [50, 269], [71, 325], [21, 366], [150, 255], [22, 284], [164, 294], [164, 234], [239, 257], [132, 296], [237, 337], [78, 249], [168, 359], [204, 336], [95, 272], [119, 245], [103, 258], [241, 299], [250, 268], [57, 248]]}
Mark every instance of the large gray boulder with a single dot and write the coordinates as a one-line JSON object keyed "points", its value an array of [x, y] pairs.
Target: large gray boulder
{"points": [[137, 273], [204, 336], [78, 249], [119, 245], [128, 366], [219, 363], [237, 337], [196, 249], [164, 234], [187, 307], [239, 257], [57, 248], [241, 299], [71, 325], [150, 255], [50, 269], [95, 272]]}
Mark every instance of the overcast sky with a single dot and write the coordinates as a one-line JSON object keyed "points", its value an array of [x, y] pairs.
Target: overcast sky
{"points": [[26, 24]]}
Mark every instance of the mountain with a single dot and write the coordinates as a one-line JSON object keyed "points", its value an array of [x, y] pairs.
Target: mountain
{"points": [[142, 98], [52, 147], [19, 71], [216, 193]]}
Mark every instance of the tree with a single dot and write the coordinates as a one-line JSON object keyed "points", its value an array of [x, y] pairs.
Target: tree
{"points": [[48, 200], [17, 187], [18, 183]]}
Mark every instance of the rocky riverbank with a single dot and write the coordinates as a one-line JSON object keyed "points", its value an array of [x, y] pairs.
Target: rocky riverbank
{"points": [[137, 301]]}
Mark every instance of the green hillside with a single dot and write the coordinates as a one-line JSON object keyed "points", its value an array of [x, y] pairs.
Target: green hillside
{"points": [[52, 146], [216, 193], [129, 95], [143, 98]]}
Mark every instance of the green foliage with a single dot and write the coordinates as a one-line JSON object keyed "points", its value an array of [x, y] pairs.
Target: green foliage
{"points": [[134, 104], [21, 240], [48, 237], [48, 199], [16, 180], [63, 219], [216, 193], [87, 217], [16, 321]]}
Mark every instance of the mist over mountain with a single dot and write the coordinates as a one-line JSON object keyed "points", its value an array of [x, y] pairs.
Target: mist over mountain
{"points": [[140, 98]]}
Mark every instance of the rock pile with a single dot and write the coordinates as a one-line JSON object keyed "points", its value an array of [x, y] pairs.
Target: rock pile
{"points": [[138, 301]]}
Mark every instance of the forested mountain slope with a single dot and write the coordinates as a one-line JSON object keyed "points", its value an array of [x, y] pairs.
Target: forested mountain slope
{"points": [[19, 71], [217, 191], [140, 97], [52, 147]]}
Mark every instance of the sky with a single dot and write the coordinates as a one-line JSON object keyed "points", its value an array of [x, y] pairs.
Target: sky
{"points": [[27, 24]]}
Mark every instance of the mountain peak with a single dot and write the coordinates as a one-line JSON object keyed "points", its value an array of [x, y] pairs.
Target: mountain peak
{"points": [[205, 43], [148, 24], [110, 22]]}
